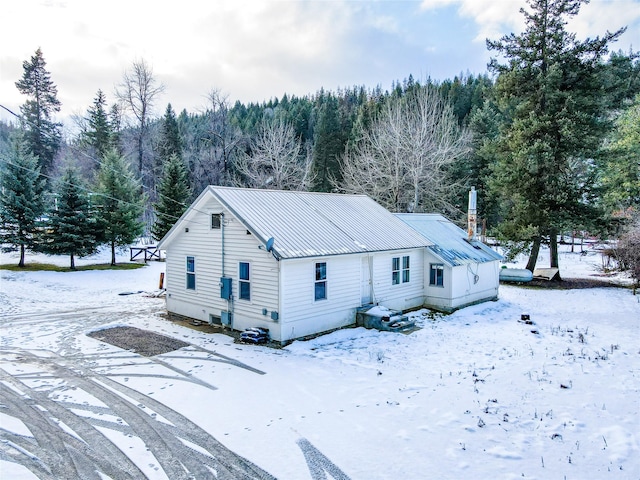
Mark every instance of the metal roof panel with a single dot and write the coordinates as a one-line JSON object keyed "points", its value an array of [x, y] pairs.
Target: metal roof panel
{"points": [[308, 224], [450, 241]]}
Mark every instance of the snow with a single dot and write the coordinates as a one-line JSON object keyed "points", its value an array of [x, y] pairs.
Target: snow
{"points": [[475, 394]]}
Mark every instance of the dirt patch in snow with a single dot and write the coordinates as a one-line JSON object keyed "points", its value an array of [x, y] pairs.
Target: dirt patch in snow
{"points": [[142, 342], [573, 283]]}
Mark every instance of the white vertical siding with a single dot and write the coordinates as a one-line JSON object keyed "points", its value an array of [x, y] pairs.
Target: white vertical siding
{"points": [[466, 290], [303, 315], [402, 296], [264, 279], [460, 288], [205, 245], [437, 297]]}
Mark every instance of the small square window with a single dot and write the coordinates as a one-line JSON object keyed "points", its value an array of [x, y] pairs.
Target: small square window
{"points": [[216, 220]]}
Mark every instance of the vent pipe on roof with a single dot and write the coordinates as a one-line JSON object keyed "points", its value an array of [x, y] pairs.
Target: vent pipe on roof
{"points": [[472, 215]]}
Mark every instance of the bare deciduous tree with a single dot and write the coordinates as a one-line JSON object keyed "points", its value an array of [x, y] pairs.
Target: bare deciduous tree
{"points": [[402, 160], [137, 92], [224, 138], [277, 160], [628, 251]]}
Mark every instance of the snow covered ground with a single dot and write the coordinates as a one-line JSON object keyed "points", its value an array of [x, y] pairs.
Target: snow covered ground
{"points": [[477, 394]]}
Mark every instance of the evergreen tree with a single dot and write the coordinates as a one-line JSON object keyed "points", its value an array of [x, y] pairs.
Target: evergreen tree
{"points": [[42, 134], [115, 122], [99, 133], [170, 142], [620, 169], [173, 193], [71, 229], [21, 202], [119, 203], [550, 89], [328, 146]]}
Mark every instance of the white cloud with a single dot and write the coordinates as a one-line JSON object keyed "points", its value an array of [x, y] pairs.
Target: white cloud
{"points": [[245, 46], [435, 4], [257, 49], [495, 18]]}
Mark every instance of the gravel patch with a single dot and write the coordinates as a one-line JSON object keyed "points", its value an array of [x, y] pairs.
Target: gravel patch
{"points": [[142, 342], [573, 283]]}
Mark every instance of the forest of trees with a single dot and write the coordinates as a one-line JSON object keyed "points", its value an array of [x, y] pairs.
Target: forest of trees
{"points": [[549, 136]]}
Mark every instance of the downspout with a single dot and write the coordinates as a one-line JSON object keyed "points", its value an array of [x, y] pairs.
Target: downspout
{"points": [[222, 240], [229, 300]]}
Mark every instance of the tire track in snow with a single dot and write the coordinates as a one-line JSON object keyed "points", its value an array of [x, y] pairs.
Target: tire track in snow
{"points": [[51, 459], [169, 444]]}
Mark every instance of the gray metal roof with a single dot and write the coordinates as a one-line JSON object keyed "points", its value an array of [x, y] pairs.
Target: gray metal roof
{"points": [[307, 224], [450, 241]]}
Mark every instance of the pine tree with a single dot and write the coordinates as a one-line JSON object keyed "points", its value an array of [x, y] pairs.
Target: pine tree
{"points": [[41, 132], [328, 146], [21, 203], [71, 229], [119, 203], [170, 142], [550, 89], [174, 193], [620, 170], [99, 132]]}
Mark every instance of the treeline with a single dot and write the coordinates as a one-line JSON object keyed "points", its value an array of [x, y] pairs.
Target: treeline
{"points": [[549, 137]]}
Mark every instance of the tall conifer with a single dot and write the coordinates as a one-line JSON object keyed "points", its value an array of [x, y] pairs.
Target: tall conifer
{"points": [[119, 203], [550, 87], [71, 230], [173, 193], [42, 134], [21, 202]]}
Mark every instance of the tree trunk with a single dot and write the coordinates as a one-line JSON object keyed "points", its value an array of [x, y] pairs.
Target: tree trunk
{"points": [[73, 262], [113, 254], [573, 239], [553, 253], [533, 256], [21, 262]]}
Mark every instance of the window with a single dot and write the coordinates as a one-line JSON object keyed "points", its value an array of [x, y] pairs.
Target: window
{"points": [[321, 281], [245, 281], [216, 220], [405, 269], [191, 273], [436, 275], [395, 270]]}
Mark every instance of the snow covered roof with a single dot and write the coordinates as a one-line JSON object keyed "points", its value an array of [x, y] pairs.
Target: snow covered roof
{"points": [[450, 242], [308, 224]]}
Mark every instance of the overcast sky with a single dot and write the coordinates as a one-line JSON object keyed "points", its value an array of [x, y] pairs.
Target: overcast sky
{"points": [[254, 50]]}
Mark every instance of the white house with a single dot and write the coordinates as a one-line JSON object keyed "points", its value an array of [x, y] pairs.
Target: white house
{"points": [[458, 271], [297, 263]]}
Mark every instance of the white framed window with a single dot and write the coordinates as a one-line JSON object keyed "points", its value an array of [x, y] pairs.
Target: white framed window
{"points": [[436, 274], [320, 286], [400, 272], [406, 276], [244, 280], [216, 220], [191, 273], [395, 270]]}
